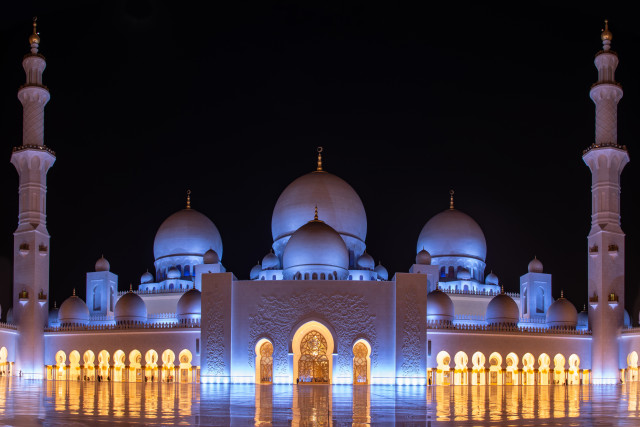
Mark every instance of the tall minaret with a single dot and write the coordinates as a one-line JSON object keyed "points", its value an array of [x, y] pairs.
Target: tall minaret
{"points": [[606, 159], [32, 159]]}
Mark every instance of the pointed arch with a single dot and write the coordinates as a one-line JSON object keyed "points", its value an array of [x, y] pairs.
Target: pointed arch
{"points": [[313, 348], [361, 362], [264, 361], [460, 373], [443, 369]]}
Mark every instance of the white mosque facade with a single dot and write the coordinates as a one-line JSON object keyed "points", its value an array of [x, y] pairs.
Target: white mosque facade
{"points": [[317, 308]]}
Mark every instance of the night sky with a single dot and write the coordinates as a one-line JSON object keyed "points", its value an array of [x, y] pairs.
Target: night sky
{"points": [[149, 100]]}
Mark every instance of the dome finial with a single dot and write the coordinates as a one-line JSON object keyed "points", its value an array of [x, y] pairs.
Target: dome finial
{"points": [[74, 292], [130, 287], [319, 167], [34, 37], [451, 193], [561, 293], [606, 35], [188, 199], [502, 289], [315, 215], [55, 304]]}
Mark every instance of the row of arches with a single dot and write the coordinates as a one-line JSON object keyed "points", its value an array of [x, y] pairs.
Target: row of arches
{"points": [[124, 368], [313, 349], [509, 374]]}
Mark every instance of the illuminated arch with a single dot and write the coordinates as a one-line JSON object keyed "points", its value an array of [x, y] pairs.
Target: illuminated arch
{"points": [[61, 365], [528, 377], [151, 365], [632, 366], [443, 370], [495, 369], [460, 376], [325, 340], [478, 376], [558, 369], [264, 361], [89, 367], [103, 365], [361, 362], [75, 372], [185, 359], [511, 375], [4, 364], [135, 366], [574, 369], [168, 368], [543, 368], [119, 360]]}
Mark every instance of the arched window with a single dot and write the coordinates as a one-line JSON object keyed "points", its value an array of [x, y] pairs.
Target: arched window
{"points": [[526, 300], [451, 273], [306, 276], [314, 364], [96, 298], [314, 276], [360, 353], [266, 362], [112, 297], [322, 276], [540, 300], [187, 271], [170, 285], [443, 272]]}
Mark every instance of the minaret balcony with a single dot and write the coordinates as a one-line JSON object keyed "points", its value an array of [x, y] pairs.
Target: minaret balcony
{"points": [[593, 301], [42, 250], [23, 297], [593, 251], [42, 298], [24, 249], [613, 300], [613, 250]]}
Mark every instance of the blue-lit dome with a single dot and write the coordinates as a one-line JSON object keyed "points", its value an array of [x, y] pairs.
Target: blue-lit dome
{"points": [[583, 320], [315, 251], [210, 257], [186, 232], [102, 264], [146, 278], [562, 314], [130, 308], [453, 233], [502, 309], [73, 311], [173, 273], [270, 262], [463, 274], [255, 272], [383, 274], [53, 316], [189, 306], [338, 203], [492, 279], [366, 262], [423, 257]]}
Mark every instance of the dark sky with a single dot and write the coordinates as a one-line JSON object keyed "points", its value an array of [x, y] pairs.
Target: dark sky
{"points": [[149, 99]]}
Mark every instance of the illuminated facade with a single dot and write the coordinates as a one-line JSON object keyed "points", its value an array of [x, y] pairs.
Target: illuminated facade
{"points": [[317, 309]]}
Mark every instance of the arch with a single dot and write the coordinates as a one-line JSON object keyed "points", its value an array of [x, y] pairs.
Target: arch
{"points": [[574, 369], [74, 366], [526, 301], [313, 348], [135, 366], [632, 367], [61, 365], [361, 362], [478, 360], [558, 369], [112, 298], [264, 361], [511, 374], [103, 365], [168, 368], [495, 369], [442, 371], [185, 359], [96, 299], [540, 300], [89, 368], [119, 359], [543, 369], [460, 376], [151, 365], [527, 369]]}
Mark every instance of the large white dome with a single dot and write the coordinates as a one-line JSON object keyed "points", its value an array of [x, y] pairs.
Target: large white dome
{"points": [[73, 311], [439, 307], [502, 309], [189, 306], [453, 233], [562, 314], [130, 308], [186, 232], [338, 205]]}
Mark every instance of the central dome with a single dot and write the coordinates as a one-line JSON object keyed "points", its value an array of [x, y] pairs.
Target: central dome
{"points": [[453, 233], [186, 232], [338, 203]]}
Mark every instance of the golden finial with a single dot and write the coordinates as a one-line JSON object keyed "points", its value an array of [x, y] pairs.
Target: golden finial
{"points": [[34, 37], [502, 289], [188, 199], [74, 292], [561, 293], [606, 34], [319, 150], [451, 192], [55, 304], [315, 215], [130, 287]]}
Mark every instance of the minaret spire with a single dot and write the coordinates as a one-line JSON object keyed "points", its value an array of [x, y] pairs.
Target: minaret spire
{"points": [[606, 160]]}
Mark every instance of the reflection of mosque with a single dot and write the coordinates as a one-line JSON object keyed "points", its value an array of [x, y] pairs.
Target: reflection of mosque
{"points": [[317, 309]]}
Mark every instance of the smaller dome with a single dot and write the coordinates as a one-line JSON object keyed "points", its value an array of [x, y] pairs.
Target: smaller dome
{"points": [[270, 261], [173, 273], [627, 320], [502, 309], [491, 279], [463, 274], [535, 266], [189, 306], [102, 264], [366, 262], [130, 308], [255, 271], [383, 274], [439, 307], [583, 319], [73, 311], [423, 257], [562, 314], [146, 278], [10, 315], [210, 257], [53, 316]]}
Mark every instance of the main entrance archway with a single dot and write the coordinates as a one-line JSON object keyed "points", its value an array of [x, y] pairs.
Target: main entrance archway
{"points": [[313, 348]]}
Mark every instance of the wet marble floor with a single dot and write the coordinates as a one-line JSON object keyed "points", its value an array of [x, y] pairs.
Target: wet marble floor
{"points": [[27, 402]]}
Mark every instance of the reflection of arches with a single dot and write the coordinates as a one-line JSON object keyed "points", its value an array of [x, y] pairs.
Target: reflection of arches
{"points": [[185, 358], [103, 364], [478, 377], [460, 376], [320, 342], [632, 366], [574, 369], [74, 365], [361, 362], [558, 369], [442, 371], [151, 365], [61, 365], [511, 376], [168, 357], [527, 369], [495, 369], [543, 369], [89, 368], [135, 366], [118, 365]]}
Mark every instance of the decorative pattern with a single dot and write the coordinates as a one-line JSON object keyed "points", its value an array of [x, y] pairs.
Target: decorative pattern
{"points": [[412, 345], [215, 337], [266, 362], [314, 364], [276, 316], [360, 352]]}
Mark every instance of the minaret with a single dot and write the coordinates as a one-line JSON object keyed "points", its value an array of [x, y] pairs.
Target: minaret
{"points": [[606, 159], [32, 160]]}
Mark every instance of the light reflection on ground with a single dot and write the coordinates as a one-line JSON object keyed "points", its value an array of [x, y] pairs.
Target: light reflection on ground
{"points": [[24, 402]]}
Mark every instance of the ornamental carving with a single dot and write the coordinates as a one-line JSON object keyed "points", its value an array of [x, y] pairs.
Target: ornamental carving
{"points": [[215, 337], [412, 345]]}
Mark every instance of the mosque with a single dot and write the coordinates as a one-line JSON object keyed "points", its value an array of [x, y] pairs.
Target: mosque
{"points": [[318, 309]]}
